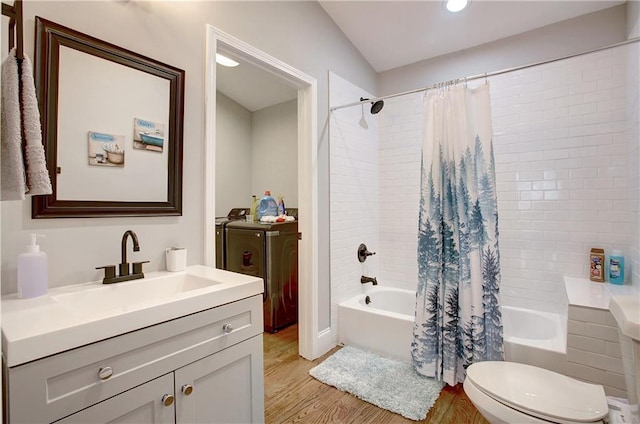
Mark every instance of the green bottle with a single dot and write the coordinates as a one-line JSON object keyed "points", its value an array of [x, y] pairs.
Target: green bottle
{"points": [[254, 208]]}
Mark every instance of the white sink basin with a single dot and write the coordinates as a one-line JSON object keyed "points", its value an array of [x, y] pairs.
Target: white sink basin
{"points": [[626, 310], [101, 297], [79, 314]]}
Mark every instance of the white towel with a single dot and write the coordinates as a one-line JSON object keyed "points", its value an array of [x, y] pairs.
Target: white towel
{"points": [[284, 218], [38, 181], [12, 175]]}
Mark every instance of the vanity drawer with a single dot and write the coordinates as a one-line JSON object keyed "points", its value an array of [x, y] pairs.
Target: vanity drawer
{"points": [[72, 380]]}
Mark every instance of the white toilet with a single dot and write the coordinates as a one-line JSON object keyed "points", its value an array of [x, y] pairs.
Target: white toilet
{"points": [[509, 392]]}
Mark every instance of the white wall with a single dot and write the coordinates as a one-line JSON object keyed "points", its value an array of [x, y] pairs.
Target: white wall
{"points": [[233, 155], [298, 33], [578, 35], [274, 158], [633, 118], [633, 108], [355, 199], [256, 151], [633, 19]]}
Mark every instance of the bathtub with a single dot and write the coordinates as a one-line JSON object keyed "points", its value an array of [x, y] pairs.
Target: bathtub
{"points": [[385, 326], [535, 338]]}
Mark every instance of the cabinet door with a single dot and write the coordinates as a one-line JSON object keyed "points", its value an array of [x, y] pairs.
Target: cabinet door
{"points": [[226, 387], [142, 404]]}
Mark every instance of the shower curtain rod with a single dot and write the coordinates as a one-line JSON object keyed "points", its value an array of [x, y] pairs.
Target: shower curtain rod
{"points": [[485, 75]]}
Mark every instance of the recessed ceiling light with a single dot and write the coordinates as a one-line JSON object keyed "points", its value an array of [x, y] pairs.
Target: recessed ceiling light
{"points": [[225, 61], [456, 5]]}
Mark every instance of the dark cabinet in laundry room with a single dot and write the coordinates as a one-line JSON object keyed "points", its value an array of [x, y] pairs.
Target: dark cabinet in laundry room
{"points": [[269, 251]]}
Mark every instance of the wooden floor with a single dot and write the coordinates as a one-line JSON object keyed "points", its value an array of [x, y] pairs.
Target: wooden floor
{"points": [[293, 396]]}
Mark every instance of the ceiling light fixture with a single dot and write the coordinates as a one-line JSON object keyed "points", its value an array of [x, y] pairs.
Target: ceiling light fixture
{"points": [[456, 5], [225, 61]]}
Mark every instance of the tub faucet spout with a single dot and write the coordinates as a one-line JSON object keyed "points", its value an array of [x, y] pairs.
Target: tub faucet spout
{"points": [[365, 279]]}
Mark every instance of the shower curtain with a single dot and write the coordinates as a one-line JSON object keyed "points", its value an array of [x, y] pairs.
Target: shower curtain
{"points": [[458, 320]]}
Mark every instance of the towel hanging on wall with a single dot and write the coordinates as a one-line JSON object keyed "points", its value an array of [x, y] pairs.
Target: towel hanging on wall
{"points": [[38, 181], [20, 177], [12, 176]]}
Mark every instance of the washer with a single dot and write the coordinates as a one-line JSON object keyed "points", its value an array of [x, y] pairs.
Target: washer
{"points": [[268, 251]]}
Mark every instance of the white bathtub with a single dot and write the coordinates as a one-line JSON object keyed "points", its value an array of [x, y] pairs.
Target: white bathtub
{"points": [[535, 338], [385, 326]]}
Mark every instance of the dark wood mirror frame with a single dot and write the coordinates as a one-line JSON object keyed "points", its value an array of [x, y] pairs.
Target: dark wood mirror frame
{"points": [[49, 37]]}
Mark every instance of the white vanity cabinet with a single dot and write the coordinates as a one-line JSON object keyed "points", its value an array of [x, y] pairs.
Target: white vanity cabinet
{"points": [[206, 367], [141, 404], [221, 387]]}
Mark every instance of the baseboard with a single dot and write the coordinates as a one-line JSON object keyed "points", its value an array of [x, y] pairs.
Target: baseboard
{"points": [[326, 342]]}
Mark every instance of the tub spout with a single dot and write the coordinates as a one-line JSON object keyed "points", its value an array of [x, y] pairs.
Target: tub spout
{"points": [[364, 280]]}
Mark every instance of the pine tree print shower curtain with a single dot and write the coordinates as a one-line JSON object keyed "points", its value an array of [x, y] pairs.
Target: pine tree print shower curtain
{"points": [[458, 320]]}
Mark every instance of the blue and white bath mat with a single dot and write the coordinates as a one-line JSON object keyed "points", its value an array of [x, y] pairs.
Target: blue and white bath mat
{"points": [[384, 382]]}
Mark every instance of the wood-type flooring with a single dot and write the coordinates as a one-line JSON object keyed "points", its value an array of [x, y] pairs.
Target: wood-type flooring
{"points": [[293, 396]]}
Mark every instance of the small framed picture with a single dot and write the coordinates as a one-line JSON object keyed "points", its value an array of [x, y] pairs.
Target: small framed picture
{"points": [[106, 149], [148, 135]]}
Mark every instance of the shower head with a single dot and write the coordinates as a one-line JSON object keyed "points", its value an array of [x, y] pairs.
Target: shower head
{"points": [[375, 106]]}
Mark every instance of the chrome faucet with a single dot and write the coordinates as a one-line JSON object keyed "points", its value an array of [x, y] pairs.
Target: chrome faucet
{"points": [[123, 268], [364, 280]]}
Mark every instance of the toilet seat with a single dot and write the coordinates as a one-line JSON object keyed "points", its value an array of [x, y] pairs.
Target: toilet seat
{"points": [[539, 392]]}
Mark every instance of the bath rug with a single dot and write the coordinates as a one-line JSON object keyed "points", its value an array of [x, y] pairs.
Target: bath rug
{"points": [[384, 382]]}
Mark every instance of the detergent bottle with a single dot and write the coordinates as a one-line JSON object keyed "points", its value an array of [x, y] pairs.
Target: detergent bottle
{"points": [[281, 209], [267, 206]]}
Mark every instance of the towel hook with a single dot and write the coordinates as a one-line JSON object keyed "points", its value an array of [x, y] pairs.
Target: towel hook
{"points": [[14, 13]]}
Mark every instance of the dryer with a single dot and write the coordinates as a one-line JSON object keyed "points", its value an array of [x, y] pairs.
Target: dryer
{"points": [[235, 214]]}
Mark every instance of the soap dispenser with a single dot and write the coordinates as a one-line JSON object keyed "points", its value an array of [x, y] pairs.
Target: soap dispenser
{"points": [[32, 271]]}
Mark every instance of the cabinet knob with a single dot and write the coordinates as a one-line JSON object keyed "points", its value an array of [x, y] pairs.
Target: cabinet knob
{"points": [[227, 328], [187, 389], [105, 373], [167, 400]]}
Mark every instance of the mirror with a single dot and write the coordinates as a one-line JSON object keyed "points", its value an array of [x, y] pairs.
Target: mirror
{"points": [[112, 123]]}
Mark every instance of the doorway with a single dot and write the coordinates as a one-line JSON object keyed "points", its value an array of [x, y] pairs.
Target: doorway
{"points": [[307, 171]]}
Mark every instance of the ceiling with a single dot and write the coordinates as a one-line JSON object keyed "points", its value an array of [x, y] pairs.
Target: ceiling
{"points": [[390, 34], [394, 33], [252, 87]]}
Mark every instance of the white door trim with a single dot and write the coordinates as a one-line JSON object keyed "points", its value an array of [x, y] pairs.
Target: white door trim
{"points": [[307, 173]]}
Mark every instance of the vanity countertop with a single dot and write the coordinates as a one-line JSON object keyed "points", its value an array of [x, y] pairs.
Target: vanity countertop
{"points": [[79, 314], [587, 293]]}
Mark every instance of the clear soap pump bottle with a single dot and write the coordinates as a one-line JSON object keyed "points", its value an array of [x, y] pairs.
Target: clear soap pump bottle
{"points": [[32, 271]]}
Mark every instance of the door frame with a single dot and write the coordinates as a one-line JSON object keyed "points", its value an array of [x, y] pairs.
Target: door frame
{"points": [[307, 87]]}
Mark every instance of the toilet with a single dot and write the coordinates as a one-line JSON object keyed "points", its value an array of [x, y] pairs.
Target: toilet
{"points": [[509, 392]]}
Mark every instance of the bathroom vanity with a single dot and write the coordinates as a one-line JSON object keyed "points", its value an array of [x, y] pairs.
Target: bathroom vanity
{"points": [[191, 354]]}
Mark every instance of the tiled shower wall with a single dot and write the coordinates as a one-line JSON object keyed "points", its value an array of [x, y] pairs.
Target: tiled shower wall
{"points": [[354, 192], [563, 172], [633, 101], [561, 144]]}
